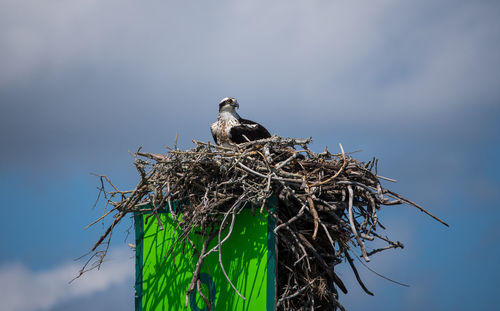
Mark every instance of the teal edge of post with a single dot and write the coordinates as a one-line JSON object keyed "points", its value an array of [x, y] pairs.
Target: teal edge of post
{"points": [[271, 265], [139, 235]]}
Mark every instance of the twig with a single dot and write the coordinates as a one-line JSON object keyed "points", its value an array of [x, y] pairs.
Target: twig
{"points": [[336, 174], [416, 205], [353, 267], [196, 273], [353, 227], [232, 212]]}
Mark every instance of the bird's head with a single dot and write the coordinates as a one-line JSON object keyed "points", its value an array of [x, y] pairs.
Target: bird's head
{"points": [[228, 104]]}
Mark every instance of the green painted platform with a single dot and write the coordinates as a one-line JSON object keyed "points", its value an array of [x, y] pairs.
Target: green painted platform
{"points": [[249, 258]]}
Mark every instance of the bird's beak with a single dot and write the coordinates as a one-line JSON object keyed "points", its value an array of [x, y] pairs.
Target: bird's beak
{"points": [[235, 104]]}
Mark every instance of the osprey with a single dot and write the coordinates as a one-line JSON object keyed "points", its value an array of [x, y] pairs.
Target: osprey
{"points": [[231, 128]]}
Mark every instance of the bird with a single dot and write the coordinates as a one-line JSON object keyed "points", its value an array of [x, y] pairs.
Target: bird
{"points": [[230, 128]]}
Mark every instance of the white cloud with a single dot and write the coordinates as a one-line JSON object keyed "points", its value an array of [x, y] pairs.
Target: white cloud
{"points": [[25, 290]]}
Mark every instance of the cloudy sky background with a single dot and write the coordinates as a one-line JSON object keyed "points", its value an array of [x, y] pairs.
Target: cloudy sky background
{"points": [[84, 82]]}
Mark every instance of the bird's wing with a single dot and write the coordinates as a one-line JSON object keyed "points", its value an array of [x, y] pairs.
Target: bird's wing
{"points": [[213, 130], [249, 129]]}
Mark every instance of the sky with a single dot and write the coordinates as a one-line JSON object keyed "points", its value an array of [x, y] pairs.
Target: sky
{"points": [[83, 83]]}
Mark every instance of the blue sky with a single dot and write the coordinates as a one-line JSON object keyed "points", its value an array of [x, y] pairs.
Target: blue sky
{"points": [[84, 82]]}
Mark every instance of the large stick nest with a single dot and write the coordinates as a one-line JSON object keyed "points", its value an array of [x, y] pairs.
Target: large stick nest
{"points": [[326, 212]]}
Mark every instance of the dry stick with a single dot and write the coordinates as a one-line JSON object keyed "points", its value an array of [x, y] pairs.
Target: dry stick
{"points": [[329, 237], [169, 201], [386, 239], [372, 205], [279, 140], [196, 273], [102, 190], [152, 156], [155, 211], [107, 179], [84, 268], [386, 178], [235, 205], [101, 254], [219, 245], [336, 174], [353, 267], [94, 222], [121, 215], [213, 146], [353, 227], [301, 247], [353, 183], [262, 206], [387, 202], [224, 154], [288, 286], [393, 245], [309, 199], [246, 168], [108, 243], [265, 160], [294, 218], [322, 262], [335, 301], [300, 259], [298, 292], [337, 218], [322, 224], [416, 205], [285, 162], [312, 209], [207, 302], [110, 228], [380, 275]]}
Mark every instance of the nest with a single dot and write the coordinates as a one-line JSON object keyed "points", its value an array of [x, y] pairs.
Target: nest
{"points": [[327, 208]]}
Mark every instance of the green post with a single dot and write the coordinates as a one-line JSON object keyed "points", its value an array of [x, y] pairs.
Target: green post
{"points": [[249, 258]]}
